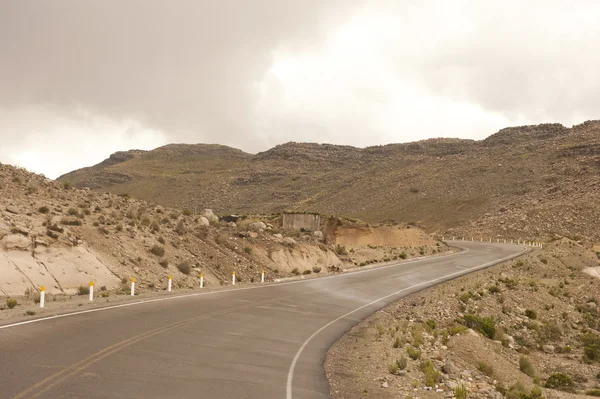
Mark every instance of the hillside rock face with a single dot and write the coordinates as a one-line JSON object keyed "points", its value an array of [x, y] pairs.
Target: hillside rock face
{"points": [[63, 238], [523, 182]]}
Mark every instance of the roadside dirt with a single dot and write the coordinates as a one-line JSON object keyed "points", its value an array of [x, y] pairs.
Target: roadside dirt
{"points": [[524, 329]]}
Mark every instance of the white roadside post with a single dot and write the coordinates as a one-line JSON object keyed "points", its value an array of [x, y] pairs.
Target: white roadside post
{"points": [[132, 286], [91, 291], [262, 276], [42, 296], [233, 278], [170, 283], [201, 280]]}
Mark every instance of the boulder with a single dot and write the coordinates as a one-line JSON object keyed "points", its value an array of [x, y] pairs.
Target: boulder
{"points": [[289, 241], [203, 221], [257, 226], [12, 209], [15, 242], [231, 224], [209, 214], [548, 348], [278, 235], [318, 234]]}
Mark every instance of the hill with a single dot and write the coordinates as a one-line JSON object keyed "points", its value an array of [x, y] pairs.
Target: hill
{"points": [[521, 182], [54, 235]]}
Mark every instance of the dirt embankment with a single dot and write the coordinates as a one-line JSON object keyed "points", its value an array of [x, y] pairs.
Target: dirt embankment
{"points": [[524, 329]]}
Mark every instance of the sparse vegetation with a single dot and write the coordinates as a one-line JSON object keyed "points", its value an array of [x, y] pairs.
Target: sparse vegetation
{"points": [[413, 352], [485, 325], [157, 250], [486, 369], [460, 392], [185, 268], [560, 381], [526, 366], [83, 290], [11, 303]]}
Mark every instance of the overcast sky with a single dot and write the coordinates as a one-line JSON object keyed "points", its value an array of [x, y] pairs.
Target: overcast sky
{"points": [[80, 80]]}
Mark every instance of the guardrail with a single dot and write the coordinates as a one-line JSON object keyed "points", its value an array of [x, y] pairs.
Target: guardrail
{"points": [[533, 244]]}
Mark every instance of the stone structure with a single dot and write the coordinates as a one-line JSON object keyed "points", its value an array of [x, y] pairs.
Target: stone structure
{"points": [[302, 221]]}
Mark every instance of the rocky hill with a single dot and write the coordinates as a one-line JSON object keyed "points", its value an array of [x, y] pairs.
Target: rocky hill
{"points": [[522, 182], [54, 235]]}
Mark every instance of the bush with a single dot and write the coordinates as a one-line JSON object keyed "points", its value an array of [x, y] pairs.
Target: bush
{"points": [[432, 375], [295, 271], [307, 271], [591, 346], [403, 255], [397, 343], [157, 250], [486, 369], [43, 209], [593, 392], [526, 366], [485, 325], [248, 250], [413, 353], [164, 263], [494, 289], [340, 250], [402, 363], [184, 268], [431, 324], [460, 392], [559, 381], [316, 269], [161, 240], [11, 303], [83, 290], [532, 314], [30, 312], [70, 222], [393, 368]]}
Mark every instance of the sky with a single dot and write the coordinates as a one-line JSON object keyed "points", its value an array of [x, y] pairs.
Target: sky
{"points": [[80, 80]]}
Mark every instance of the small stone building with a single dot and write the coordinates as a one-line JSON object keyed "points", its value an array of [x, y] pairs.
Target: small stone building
{"points": [[302, 221]]}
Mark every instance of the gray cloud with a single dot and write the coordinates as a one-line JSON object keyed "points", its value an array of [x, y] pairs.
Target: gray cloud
{"points": [[143, 73]]}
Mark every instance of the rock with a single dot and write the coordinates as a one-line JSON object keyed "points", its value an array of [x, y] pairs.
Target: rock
{"points": [[548, 348], [15, 241], [136, 269], [253, 234], [289, 241], [231, 224], [209, 214], [318, 234], [12, 209], [452, 384], [203, 221], [385, 384], [448, 368], [465, 374], [278, 235], [257, 226]]}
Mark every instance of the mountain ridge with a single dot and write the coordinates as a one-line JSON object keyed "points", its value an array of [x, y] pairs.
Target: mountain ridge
{"points": [[445, 185]]}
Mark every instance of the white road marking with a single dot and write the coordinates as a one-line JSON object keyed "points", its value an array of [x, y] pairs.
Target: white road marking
{"points": [[145, 301], [290, 378]]}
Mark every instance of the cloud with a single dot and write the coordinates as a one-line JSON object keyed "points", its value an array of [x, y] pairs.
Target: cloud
{"points": [[54, 142], [255, 74]]}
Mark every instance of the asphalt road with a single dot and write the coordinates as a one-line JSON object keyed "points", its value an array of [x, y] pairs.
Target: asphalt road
{"points": [[265, 342]]}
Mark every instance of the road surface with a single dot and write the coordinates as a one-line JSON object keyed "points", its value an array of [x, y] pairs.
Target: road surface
{"points": [[262, 343]]}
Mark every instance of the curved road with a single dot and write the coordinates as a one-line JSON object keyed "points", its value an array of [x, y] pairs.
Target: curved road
{"points": [[250, 342]]}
